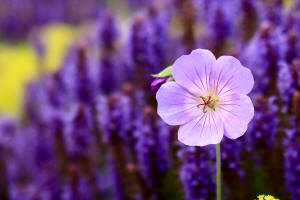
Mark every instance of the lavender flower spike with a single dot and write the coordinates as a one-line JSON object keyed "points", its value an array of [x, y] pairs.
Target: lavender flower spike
{"points": [[208, 98]]}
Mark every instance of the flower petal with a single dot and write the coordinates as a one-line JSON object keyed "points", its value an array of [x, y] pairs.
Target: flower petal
{"points": [[236, 111], [232, 77], [175, 104], [203, 130], [193, 71]]}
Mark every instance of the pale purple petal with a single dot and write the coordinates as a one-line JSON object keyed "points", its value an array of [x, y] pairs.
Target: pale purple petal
{"points": [[231, 77], [175, 104], [203, 130], [236, 112], [193, 71]]}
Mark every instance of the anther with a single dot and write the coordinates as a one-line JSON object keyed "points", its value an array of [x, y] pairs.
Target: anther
{"points": [[205, 104]]}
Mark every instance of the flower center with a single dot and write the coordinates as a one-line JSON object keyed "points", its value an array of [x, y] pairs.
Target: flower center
{"points": [[208, 103]]}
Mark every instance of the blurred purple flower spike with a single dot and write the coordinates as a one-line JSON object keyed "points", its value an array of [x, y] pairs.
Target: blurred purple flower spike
{"points": [[208, 98]]}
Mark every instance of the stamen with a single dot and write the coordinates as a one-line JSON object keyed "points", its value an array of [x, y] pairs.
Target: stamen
{"points": [[207, 102]]}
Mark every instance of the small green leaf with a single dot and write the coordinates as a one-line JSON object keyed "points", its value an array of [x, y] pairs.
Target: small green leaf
{"points": [[171, 79], [164, 73]]}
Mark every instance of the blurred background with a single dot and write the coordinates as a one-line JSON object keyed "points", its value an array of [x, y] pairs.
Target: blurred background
{"points": [[78, 116]]}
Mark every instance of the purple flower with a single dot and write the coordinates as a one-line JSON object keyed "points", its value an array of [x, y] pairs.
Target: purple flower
{"points": [[55, 90], [231, 153], [197, 167], [152, 147], [208, 98], [158, 23], [264, 47], [291, 160], [291, 46], [83, 84], [108, 32], [273, 11], [140, 50], [108, 35], [219, 28], [79, 133], [78, 187], [285, 82], [7, 133], [107, 73], [248, 18], [264, 126]]}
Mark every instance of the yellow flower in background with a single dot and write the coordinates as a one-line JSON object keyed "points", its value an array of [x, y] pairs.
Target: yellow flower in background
{"points": [[19, 64], [269, 197], [266, 197], [260, 197], [289, 3], [58, 37]]}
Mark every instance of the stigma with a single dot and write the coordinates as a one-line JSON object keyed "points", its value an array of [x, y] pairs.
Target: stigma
{"points": [[208, 102]]}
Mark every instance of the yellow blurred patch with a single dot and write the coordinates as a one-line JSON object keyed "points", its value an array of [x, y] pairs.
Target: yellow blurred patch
{"points": [[58, 37], [289, 3], [19, 63]]}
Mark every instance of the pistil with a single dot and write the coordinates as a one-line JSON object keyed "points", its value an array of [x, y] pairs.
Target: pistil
{"points": [[207, 102]]}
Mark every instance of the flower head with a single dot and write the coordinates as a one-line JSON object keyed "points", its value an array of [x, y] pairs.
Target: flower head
{"points": [[266, 197], [157, 82], [208, 98]]}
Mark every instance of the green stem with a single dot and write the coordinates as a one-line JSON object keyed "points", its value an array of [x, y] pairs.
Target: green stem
{"points": [[218, 163]]}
